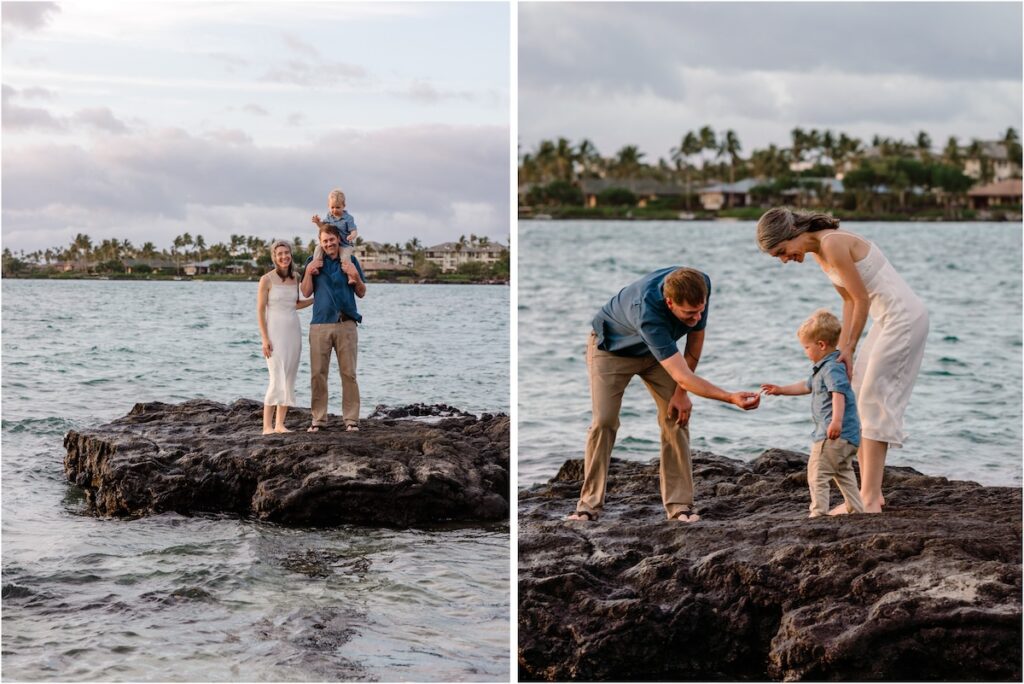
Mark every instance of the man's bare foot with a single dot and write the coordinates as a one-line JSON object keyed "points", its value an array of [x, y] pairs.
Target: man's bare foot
{"points": [[281, 429], [687, 516], [585, 516]]}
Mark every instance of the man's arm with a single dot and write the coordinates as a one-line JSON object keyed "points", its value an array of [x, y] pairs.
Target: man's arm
{"points": [[306, 286], [680, 402], [689, 381]]}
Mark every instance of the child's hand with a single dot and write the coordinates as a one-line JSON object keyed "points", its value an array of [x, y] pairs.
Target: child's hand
{"points": [[316, 219], [770, 389], [834, 430]]}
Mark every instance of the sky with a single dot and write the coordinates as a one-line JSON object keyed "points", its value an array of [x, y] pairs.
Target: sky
{"points": [[646, 73], [147, 120]]}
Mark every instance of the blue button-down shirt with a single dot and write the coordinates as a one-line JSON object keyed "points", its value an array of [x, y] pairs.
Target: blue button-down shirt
{"points": [[827, 377], [332, 295], [637, 321], [345, 225]]}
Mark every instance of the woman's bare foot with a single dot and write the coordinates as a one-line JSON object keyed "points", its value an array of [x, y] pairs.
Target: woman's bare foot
{"points": [[268, 431], [839, 510], [281, 429]]}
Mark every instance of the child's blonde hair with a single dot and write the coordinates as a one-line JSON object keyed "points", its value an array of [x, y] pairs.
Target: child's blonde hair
{"points": [[821, 325], [336, 194]]}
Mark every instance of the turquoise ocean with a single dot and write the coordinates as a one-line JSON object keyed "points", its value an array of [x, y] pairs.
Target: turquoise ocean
{"points": [[964, 418], [218, 598]]}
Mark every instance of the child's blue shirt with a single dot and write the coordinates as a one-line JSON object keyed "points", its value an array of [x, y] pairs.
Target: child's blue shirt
{"points": [[345, 225], [827, 377]]}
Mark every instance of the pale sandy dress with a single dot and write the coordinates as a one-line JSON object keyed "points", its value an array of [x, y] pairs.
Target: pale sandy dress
{"points": [[889, 359], [286, 339]]}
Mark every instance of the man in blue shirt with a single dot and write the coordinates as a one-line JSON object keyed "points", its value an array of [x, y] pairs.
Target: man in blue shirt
{"points": [[333, 327], [636, 333]]}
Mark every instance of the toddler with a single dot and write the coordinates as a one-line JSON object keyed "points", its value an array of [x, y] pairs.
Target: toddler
{"points": [[338, 217], [834, 409]]}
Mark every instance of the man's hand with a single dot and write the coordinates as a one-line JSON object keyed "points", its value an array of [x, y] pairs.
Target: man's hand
{"points": [[315, 265], [834, 430], [682, 406], [350, 270], [745, 400]]}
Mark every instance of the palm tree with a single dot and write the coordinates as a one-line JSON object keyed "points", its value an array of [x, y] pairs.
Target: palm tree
{"points": [[147, 251], [564, 159], [200, 246], [179, 242], [688, 146], [799, 138], [628, 162], [81, 247], [731, 146], [924, 144], [589, 158], [951, 153], [1013, 147]]}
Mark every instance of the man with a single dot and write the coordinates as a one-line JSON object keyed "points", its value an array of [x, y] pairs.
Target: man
{"points": [[333, 327], [635, 333]]}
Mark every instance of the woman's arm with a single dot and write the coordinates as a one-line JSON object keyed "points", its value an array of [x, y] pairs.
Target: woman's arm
{"points": [[855, 299], [261, 310], [301, 303]]}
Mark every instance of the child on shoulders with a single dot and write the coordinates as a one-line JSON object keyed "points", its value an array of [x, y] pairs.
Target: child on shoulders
{"points": [[836, 432], [338, 217]]}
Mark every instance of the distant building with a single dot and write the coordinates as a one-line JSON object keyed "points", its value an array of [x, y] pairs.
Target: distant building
{"points": [[450, 255], [645, 189], [198, 267], [723, 195], [155, 264], [383, 254], [1001, 193], [996, 154]]}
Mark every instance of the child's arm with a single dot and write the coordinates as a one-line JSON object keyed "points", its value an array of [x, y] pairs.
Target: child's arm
{"points": [[835, 427], [794, 390], [317, 221], [353, 234]]}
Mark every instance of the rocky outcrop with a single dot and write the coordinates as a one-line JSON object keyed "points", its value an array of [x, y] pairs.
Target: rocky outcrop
{"points": [[929, 590], [205, 457]]}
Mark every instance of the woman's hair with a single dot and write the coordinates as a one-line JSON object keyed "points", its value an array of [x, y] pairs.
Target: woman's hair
{"points": [[686, 286], [821, 325], [781, 223], [291, 265]]}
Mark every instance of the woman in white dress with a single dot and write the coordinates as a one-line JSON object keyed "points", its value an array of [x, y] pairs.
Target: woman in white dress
{"points": [[277, 305], [887, 363]]}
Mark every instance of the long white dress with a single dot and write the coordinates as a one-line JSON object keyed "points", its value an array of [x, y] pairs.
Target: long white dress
{"points": [[889, 359], [286, 340]]}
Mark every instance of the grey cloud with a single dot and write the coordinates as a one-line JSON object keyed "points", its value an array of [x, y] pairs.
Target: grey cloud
{"points": [[231, 62], [299, 72], [37, 93], [167, 174], [16, 117], [638, 47], [425, 93], [300, 46], [253, 108], [296, 119], [101, 118], [27, 15], [232, 136]]}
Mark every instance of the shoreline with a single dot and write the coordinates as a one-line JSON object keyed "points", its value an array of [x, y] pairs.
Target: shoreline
{"points": [[733, 219]]}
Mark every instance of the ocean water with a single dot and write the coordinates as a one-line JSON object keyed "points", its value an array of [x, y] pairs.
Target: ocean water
{"points": [[964, 418], [217, 598]]}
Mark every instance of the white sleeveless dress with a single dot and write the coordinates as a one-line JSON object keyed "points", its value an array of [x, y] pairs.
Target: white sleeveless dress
{"points": [[889, 359], [286, 339]]}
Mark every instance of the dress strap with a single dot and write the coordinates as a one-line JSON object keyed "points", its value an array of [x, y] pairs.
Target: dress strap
{"points": [[846, 232]]}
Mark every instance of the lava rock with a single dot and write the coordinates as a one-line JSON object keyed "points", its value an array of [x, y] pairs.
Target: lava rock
{"points": [[420, 411], [929, 590], [204, 457]]}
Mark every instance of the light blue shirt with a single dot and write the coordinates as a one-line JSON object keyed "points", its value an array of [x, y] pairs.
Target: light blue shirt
{"points": [[637, 321], [345, 225], [827, 377]]}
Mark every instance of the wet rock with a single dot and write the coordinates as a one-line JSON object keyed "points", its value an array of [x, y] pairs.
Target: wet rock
{"points": [[929, 590], [420, 411], [204, 457]]}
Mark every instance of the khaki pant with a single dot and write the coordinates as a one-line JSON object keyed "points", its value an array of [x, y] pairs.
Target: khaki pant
{"points": [[609, 376], [832, 459], [343, 340]]}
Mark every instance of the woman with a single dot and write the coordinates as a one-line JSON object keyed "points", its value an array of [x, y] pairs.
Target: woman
{"points": [[887, 364], [277, 304]]}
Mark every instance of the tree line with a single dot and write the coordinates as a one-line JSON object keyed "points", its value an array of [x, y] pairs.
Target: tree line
{"points": [[554, 169]]}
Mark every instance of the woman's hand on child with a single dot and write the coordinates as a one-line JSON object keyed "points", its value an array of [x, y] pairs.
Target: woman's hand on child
{"points": [[846, 358]]}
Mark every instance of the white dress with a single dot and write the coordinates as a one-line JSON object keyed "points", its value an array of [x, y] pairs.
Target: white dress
{"points": [[889, 359], [286, 340]]}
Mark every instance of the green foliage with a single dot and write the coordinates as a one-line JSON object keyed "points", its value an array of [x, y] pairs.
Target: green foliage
{"points": [[556, 193], [110, 266], [616, 197]]}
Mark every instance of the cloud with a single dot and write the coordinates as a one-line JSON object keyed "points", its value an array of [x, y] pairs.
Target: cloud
{"points": [[444, 180], [101, 118], [253, 108], [425, 93], [309, 73], [298, 45], [296, 119], [26, 16], [37, 93], [230, 62], [16, 117]]}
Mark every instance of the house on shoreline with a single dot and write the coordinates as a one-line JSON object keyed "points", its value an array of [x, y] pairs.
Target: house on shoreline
{"points": [[1001, 193]]}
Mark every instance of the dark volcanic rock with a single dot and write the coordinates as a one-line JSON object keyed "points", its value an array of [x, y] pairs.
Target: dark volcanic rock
{"points": [[929, 590], [201, 456]]}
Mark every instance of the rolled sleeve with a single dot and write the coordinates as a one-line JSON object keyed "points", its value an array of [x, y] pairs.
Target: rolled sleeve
{"points": [[658, 339]]}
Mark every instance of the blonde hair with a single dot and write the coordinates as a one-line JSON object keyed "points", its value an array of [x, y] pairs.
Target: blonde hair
{"points": [[686, 286], [821, 325], [336, 194], [781, 223]]}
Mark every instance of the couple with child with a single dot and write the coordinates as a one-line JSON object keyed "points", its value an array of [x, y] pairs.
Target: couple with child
{"points": [[635, 333], [330, 282]]}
